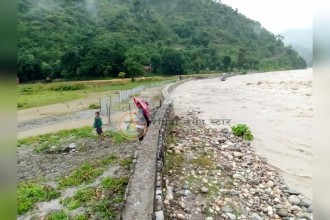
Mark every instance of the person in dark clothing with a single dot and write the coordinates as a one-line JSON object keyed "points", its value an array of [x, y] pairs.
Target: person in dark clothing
{"points": [[98, 125]]}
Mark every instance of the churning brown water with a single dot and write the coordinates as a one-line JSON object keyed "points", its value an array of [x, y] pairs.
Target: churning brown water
{"points": [[277, 106]]}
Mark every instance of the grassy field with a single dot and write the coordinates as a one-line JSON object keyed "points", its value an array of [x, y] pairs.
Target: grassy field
{"points": [[40, 94]]}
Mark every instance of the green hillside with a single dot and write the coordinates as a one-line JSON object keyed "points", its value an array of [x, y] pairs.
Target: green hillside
{"points": [[83, 39]]}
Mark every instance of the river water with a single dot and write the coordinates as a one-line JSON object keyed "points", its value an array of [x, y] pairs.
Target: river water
{"points": [[277, 106]]}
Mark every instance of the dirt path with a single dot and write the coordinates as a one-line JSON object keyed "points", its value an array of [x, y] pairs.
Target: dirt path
{"points": [[72, 114]]}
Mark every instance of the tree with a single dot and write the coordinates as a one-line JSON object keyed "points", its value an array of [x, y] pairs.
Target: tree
{"points": [[173, 62], [226, 62], [241, 58], [122, 75]]}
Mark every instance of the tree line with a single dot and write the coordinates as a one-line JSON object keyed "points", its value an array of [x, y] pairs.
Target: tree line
{"points": [[81, 39]]}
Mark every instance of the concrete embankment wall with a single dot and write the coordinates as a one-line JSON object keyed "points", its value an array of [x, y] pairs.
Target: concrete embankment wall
{"points": [[143, 200]]}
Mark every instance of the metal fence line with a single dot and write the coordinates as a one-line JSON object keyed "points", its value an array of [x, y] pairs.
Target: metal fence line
{"points": [[107, 102]]}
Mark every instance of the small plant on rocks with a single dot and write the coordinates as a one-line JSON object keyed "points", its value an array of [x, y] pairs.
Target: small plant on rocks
{"points": [[241, 130]]}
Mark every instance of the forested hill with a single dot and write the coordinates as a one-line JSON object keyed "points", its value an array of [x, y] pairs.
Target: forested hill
{"points": [[100, 38]]}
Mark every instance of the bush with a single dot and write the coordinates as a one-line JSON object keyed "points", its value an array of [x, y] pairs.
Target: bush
{"points": [[94, 106], [20, 104], [241, 130], [122, 75], [26, 89], [68, 87]]}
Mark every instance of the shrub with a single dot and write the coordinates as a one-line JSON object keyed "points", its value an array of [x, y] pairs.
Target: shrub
{"points": [[122, 75], [241, 130], [68, 87], [94, 106]]}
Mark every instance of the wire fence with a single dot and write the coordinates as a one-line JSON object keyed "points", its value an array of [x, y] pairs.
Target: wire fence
{"points": [[112, 103]]}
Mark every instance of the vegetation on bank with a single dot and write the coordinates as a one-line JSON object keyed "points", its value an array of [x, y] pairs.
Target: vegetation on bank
{"points": [[97, 39], [39, 94], [103, 201], [52, 142], [242, 130]]}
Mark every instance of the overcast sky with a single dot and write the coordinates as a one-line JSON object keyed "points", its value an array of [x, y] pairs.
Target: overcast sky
{"points": [[276, 15]]}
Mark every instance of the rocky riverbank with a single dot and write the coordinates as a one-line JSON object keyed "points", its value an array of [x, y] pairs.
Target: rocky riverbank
{"points": [[211, 174]]}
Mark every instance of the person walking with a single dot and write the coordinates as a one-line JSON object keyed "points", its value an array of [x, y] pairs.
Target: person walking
{"points": [[143, 109], [98, 125]]}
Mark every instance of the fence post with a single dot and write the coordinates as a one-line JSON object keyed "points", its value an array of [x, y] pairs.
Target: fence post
{"points": [[109, 110], [119, 97], [106, 105], [100, 105]]}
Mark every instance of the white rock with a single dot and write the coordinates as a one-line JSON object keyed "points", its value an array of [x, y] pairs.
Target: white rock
{"points": [[72, 145], [270, 183], [261, 186], [295, 208], [180, 216], [294, 200], [238, 176], [169, 193], [182, 205], [231, 216], [230, 157], [237, 154]]}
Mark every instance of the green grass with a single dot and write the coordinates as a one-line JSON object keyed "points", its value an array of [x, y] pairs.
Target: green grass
{"points": [[101, 203], [86, 173], [126, 163], [35, 95], [80, 198], [109, 160], [203, 161], [29, 193], [116, 137], [173, 161], [241, 130], [60, 215], [43, 142], [115, 184], [47, 98]]}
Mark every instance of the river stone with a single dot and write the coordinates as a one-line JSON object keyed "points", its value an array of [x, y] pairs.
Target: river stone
{"points": [[159, 215], [204, 190], [294, 200], [282, 213], [182, 205], [304, 204], [226, 209], [180, 216], [208, 218], [255, 216], [237, 154], [231, 216], [238, 176], [292, 192]]}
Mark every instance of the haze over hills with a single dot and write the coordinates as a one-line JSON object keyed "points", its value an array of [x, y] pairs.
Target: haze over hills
{"points": [[99, 38], [302, 41]]}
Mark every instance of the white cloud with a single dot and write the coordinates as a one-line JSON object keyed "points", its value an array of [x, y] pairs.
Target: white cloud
{"points": [[276, 15]]}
